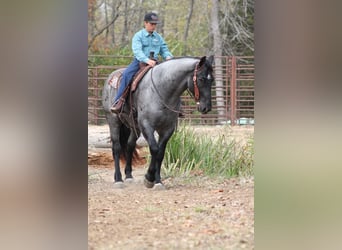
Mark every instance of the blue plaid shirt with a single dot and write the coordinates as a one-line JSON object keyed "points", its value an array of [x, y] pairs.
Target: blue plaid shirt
{"points": [[143, 43]]}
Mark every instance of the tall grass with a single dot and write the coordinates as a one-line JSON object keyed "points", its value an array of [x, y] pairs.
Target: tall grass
{"points": [[188, 152]]}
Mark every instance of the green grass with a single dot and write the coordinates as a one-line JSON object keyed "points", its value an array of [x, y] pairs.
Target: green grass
{"points": [[190, 153]]}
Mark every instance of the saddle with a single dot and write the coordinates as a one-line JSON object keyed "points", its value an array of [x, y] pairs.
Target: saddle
{"points": [[128, 116], [139, 75], [116, 78]]}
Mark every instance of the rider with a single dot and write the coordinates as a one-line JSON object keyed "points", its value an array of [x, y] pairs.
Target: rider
{"points": [[144, 41]]}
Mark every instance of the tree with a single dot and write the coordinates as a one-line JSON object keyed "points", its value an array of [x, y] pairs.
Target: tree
{"points": [[105, 26], [187, 25], [188, 30], [237, 26], [218, 53]]}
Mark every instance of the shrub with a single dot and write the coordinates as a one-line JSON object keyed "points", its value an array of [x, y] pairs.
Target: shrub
{"points": [[188, 152]]}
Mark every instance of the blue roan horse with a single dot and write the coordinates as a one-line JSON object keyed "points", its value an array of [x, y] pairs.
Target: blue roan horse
{"points": [[156, 104]]}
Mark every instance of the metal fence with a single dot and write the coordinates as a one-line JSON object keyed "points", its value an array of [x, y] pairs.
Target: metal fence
{"points": [[232, 91]]}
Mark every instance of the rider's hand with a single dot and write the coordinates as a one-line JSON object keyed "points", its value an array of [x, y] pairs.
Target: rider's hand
{"points": [[151, 62]]}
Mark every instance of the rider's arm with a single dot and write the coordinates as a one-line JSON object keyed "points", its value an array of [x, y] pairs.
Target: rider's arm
{"points": [[164, 50]]}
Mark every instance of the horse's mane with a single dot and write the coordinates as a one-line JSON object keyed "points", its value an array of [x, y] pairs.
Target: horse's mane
{"points": [[209, 66], [181, 57]]}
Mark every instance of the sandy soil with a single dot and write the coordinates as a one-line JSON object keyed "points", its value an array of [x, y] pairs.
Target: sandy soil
{"points": [[192, 213]]}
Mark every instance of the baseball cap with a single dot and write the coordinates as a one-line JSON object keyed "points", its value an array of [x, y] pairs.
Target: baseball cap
{"points": [[151, 18]]}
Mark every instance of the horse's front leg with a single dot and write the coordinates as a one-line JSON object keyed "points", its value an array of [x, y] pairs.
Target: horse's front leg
{"points": [[150, 175], [148, 133], [163, 139]]}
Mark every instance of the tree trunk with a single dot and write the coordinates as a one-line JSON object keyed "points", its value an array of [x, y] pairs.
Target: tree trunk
{"points": [[162, 14], [106, 18], [139, 15], [218, 61], [187, 25], [125, 24]]}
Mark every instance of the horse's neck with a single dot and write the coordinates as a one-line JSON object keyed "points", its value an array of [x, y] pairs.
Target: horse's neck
{"points": [[174, 76]]}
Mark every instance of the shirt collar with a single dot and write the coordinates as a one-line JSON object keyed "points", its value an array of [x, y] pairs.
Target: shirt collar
{"points": [[146, 33]]}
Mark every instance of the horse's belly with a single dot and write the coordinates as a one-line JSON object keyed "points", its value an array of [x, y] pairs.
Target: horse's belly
{"points": [[158, 119]]}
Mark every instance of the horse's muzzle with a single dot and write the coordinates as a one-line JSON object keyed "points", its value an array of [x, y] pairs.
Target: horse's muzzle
{"points": [[204, 109]]}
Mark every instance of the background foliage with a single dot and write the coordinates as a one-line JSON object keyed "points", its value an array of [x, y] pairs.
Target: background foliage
{"points": [[187, 26]]}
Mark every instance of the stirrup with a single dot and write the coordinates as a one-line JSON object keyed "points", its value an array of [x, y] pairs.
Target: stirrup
{"points": [[117, 106]]}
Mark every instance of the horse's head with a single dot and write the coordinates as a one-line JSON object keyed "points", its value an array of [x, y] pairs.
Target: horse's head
{"points": [[202, 81]]}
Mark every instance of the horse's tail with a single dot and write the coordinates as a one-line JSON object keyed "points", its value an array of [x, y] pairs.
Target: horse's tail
{"points": [[124, 135]]}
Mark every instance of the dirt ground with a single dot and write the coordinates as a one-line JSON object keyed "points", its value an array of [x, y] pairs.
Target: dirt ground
{"points": [[194, 212]]}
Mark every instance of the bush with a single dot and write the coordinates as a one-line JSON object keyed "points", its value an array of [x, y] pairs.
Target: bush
{"points": [[188, 152]]}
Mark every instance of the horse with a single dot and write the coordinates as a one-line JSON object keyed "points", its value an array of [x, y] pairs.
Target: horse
{"points": [[154, 106]]}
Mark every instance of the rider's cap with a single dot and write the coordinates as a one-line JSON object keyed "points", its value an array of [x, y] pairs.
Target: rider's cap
{"points": [[151, 18]]}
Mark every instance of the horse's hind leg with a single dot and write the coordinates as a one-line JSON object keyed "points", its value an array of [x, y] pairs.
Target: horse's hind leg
{"points": [[114, 128], [131, 144], [116, 148]]}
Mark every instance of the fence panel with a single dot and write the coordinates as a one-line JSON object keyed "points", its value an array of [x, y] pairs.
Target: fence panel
{"points": [[243, 72], [232, 92]]}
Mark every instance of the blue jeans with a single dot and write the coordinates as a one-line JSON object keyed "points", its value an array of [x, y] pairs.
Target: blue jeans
{"points": [[127, 76]]}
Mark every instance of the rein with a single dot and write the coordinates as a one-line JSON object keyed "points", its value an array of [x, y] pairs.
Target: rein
{"points": [[160, 97], [196, 90]]}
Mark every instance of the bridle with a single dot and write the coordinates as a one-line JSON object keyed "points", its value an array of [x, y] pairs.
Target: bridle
{"points": [[196, 90]]}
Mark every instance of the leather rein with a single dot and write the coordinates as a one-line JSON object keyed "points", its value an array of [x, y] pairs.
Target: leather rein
{"points": [[196, 90]]}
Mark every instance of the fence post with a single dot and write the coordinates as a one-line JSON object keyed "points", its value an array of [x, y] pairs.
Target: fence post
{"points": [[227, 89], [233, 93]]}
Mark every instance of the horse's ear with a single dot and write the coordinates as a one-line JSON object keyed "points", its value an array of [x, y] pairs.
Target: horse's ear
{"points": [[202, 61], [211, 60]]}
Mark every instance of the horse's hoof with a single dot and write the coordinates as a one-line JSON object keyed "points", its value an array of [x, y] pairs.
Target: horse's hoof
{"points": [[129, 180], [119, 184], [159, 186], [148, 184]]}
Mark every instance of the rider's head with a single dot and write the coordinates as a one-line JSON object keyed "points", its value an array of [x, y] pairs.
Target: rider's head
{"points": [[151, 20]]}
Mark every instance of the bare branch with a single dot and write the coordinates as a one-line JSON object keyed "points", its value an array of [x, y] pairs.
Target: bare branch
{"points": [[105, 27]]}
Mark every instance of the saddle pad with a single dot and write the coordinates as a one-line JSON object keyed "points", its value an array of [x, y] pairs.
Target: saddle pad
{"points": [[116, 78]]}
